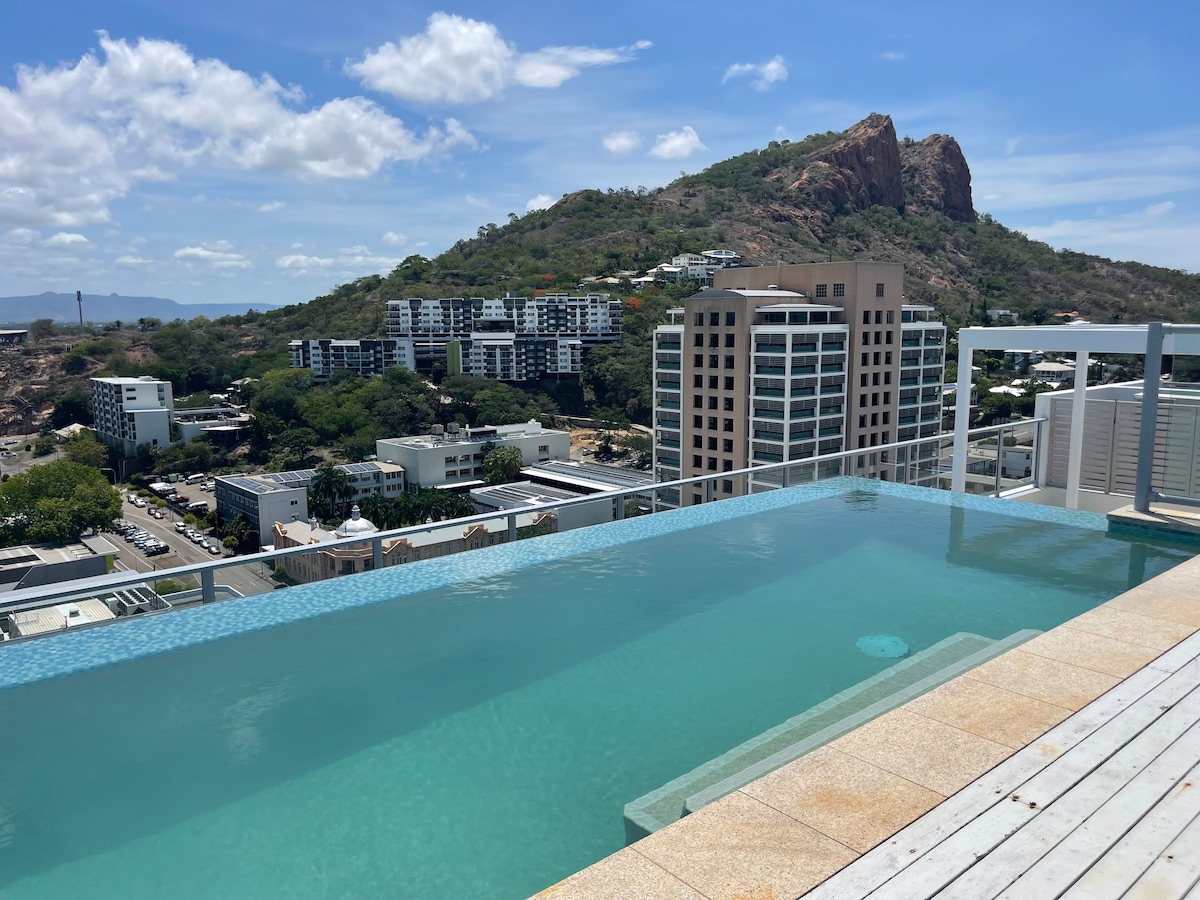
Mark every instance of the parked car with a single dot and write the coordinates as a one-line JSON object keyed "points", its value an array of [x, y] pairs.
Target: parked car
{"points": [[214, 549], [11, 442], [139, 503], [181, 527]]}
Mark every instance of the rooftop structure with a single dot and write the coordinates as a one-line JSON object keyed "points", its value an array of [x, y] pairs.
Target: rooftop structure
{"points": [[32, 565]]}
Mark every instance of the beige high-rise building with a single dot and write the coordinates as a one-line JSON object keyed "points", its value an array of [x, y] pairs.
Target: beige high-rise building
{"points": [[793, 362]]}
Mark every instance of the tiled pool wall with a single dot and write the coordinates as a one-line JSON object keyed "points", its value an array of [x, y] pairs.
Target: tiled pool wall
{"points": [[70, 652]]}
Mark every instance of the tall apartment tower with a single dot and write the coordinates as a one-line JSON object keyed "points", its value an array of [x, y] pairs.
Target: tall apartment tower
{"points": [[792, 363], [129, 412]]}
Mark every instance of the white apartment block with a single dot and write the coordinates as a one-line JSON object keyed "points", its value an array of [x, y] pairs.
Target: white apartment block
{"points": [[453, 456], [751, 374], [366, 356], [283, 496], [509, 338], [130, 412]]}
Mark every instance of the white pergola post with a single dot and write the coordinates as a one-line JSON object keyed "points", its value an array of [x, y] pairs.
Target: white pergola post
{"points": [[1075, 450], [962, 414]]}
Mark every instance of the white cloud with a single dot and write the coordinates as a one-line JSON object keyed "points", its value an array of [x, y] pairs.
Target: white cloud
{"points": [[76, 137], [458, 60], [273, 206], [66, 239], [765, 74], [477, 202], [620, 143], [394, 239], [541, 201], [677, 144], [21, 236], [360, 259], [133, 261], [892, 55], [1157, 235], [217, 254], [1042, 181], [297, 261]]}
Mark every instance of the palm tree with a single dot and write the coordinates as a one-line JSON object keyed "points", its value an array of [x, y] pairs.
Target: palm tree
{"points": [[329, 485]]}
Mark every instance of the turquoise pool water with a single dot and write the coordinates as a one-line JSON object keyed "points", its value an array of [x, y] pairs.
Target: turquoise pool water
{"points": [[482, 739]]}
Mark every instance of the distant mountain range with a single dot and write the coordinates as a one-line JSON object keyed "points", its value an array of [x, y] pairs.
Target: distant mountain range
{"points": [[62, 309]]}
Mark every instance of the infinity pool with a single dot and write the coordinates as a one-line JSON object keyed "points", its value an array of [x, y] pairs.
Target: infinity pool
{"points": [[481, 738]]}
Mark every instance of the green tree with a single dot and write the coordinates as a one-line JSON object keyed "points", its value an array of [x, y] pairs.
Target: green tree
{"points": [[330, 485], [56, 502], [300, 441], [83, 448], [502, 465]]}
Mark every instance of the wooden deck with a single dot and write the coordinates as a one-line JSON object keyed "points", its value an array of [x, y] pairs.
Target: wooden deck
{"points": [[1104, 805]]}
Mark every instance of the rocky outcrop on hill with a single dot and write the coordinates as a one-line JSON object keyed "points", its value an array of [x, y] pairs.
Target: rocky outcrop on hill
{"points": [[860, 171], [937, 178]]}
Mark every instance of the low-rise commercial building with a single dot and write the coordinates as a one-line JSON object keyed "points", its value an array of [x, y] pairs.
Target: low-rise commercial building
{"points": [[451, 455], [343, 551], [283, 496]]}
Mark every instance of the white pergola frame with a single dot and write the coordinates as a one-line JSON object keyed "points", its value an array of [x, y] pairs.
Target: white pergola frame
{"points": [[1151, 341]]}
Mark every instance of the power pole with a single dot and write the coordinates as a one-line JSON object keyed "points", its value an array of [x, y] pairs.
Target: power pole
{"points": [[79, 300]]}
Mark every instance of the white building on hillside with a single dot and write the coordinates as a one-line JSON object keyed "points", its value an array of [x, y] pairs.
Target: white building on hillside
{"points": [[452, 456], [129, 412], [366, 356], [509, 338]]}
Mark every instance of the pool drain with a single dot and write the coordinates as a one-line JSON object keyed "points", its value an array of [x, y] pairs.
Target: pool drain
{"points": [[885, 646]]}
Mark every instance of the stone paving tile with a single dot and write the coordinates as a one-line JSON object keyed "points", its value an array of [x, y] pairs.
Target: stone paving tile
{"points": [[851, 801], [1091, 651], [938, 756], [739, 848], [989, 711], [1112, 622], [623, 875], [1044, 679], [1181, 606]]}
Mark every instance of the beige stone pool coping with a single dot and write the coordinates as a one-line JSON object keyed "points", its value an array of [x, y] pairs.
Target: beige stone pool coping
{"points": [[785, 833]]}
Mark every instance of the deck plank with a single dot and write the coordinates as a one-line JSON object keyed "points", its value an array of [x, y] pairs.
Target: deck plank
{"points": [[1099, 833], [1121, 867], [988, 854], [1176, 871], [1120, 712]]}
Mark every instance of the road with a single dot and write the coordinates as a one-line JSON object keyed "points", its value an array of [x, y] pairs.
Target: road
{"points": [[247, 579]]}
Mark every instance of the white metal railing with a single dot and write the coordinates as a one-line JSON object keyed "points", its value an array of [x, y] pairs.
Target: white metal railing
{"points": [[912, 469]]}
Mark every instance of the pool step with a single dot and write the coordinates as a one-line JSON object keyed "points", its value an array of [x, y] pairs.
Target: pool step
{"points": [[813, 728]]}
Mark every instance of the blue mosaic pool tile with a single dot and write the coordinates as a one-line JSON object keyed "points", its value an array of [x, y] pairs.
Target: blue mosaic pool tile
{"points": [[70, 652]]}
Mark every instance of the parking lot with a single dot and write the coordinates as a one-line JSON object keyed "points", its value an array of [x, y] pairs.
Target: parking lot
{"points": [[246, 580]]}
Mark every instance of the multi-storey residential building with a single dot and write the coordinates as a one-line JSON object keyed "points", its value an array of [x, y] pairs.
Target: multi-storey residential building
{"points": [[130, 412], [451, 455], [697, 267], [366, 356], [283, 496], [791, 363], [511, 338]]}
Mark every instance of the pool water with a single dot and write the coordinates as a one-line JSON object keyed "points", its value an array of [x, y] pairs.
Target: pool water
{"points": [[482, 739]]}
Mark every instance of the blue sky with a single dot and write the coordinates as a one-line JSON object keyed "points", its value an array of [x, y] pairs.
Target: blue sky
{"points": [[266, 150]]}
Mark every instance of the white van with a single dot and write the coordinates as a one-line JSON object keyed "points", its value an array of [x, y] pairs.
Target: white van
{"points": [[195, 479]]}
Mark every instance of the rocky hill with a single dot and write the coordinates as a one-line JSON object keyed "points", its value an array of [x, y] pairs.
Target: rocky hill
{"points": [[858, 194]]}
